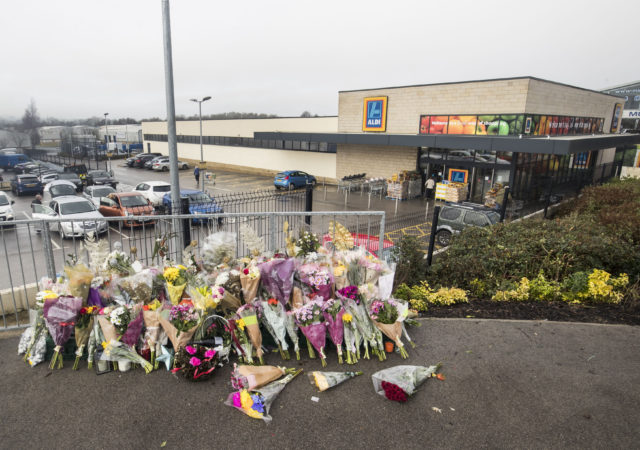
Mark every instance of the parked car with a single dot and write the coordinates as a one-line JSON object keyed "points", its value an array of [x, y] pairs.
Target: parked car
{"points": [[26, 184], [142, 159], [100, 177], [149, 163], [153, 191], [199, 203], [48, 177], [454, 217], [59, 188], [82, 217], [73, 178], [95, 193], [7, 216], [162, 164], [29, 167], [131, 161], [79, 169], [292, 179], [127, 204], [9, 159], [370, 242]]}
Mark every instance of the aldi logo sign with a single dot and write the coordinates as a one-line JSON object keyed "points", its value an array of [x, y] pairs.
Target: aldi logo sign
{"points": [[374, 115]]}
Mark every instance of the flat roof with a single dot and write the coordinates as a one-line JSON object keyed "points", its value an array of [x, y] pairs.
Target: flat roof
{"points": [[484, 81], [555, 145]]}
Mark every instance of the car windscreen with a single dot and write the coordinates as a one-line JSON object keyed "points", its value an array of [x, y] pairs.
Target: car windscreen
{"points": [[99, 174], [281, 175], [133, 200], [28, 180], [199, 198], [162, 188], [76, 207], [4, 201], [102, 192], [62, 189]]}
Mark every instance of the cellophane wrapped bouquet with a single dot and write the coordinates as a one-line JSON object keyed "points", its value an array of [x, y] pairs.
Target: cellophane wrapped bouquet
{"points": [[311, 322], [195, 362], [180, 323], [250, 326], [333, 311], [388, 315], [60, 315], [176, 278], [274, 318], [327, 380], [398, 383]]}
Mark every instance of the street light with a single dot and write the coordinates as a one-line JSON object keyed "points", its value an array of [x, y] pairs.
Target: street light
{"points": [[106, 140], [199, 102]]}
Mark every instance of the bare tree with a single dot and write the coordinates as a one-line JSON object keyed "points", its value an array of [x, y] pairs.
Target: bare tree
{"points": [[31, 122], [305, 114]]}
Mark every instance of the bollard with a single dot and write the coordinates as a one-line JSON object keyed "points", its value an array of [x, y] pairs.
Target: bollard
{"points": [[396, 212], [426, 211], [369, 203], [432, 237]]}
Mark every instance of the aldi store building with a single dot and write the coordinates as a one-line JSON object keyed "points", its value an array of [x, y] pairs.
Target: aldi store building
{"points": [[536, 136]]}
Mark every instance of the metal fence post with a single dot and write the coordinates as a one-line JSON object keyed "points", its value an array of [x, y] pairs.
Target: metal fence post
{"points": [[381, 237], [272, 232], [505, 199], [186, 226], [48, 250], [308, 205], [432, 236]]}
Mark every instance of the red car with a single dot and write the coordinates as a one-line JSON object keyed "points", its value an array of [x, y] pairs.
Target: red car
{"points": [[127, 204]]}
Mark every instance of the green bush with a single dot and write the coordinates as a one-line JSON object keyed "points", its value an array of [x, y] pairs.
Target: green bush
{"points": [[411, 265]]}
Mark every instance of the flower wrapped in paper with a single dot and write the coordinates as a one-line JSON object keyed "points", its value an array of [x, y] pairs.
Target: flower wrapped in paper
{"points": [[333, 311], [176, 280], [195, 362], [206, 298], [386, 315], [277, 277], [292, 331], [250, 280], [255, 377], [365, 327], [310, 321], [80, 277], [151, 326], [327, 380], [318, 278], [250, 321], [352, 338], [307, 243], [119, 351], [37, 330], [274, 317], [240, 340], [180, 323], [83, 329], [257, 403], [117, 262], [60, 315], [218, 249], [138, 286], [398, 383]]}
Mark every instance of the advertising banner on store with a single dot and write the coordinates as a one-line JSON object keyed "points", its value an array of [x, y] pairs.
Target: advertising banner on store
{"points": [[374, 115]]}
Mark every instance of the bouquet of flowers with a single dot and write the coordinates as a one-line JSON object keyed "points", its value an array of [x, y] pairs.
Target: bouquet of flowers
{"points": [[250, 280], [277, 277], [230, 281], [327, 380], [307, 243], [32, 340], [180, 323], [292, 331], [257, 403], [309, 319], [333, 311], [385, 282], [206, 298], [195, 363], [176, 278], [118, 351], [84, 326], [217, 249], [240, 340], [398, 383], [351, 338], [319, 279], [250, 321], [350, 292], [365, 329], [254, 377], [339, 273], [274, 318], [138, 286], [60, 315], [386, 316], [152, 327], [80, 277], [117, 263]]}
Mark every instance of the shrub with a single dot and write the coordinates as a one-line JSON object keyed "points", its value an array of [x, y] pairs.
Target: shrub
{"points": [[448, 296], [421, 295], [541, 289], [520, 294], [409, 258]]}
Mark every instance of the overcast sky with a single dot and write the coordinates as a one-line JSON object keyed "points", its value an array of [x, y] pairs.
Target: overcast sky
{"points": [[82, 58]]}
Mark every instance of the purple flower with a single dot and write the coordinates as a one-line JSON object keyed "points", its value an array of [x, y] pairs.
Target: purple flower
{"points": [[195, 362], [190, 350]]}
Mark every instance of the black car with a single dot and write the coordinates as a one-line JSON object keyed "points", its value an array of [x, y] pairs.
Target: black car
{"points": [[73, 177], [142, 159], [100, 177], [131, 162]]}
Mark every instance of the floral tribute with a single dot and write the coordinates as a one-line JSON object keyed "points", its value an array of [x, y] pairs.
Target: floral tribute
{"points": [[195, 362]]}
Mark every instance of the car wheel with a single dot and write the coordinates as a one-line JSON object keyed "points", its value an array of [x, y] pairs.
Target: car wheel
{"points": [[278, 188], [165, 168], [443, 237], [184, 167]]}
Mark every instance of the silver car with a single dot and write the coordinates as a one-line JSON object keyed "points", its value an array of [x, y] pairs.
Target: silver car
{"points": [[81, 216], [93, 193]]}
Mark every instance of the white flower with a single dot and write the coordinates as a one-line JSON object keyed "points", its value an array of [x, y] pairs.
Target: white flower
{"points": [[222, 278]]}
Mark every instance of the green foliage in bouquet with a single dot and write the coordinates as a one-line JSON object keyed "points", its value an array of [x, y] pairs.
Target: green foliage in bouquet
{"points": [[307, 243]]}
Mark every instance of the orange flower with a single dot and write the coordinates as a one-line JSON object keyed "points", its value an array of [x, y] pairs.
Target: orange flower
{"points": [[273, 301], [186, 301], [146, 307], [440, 377]]}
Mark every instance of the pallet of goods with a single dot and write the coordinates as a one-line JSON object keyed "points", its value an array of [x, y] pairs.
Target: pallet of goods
{"points": [[456, 192], [494, 195], [404, 185]]}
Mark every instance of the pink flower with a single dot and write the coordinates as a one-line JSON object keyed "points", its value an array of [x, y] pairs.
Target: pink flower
{"points": [[190, 350], [210, 353], [236, 400], [195, 362]]}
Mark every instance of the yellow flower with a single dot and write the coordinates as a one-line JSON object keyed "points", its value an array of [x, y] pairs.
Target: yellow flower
{"points": [[321, 381], [171, 274], [338, 271], [104, 344], [181, 267], [240, 323], [346, 317], [247, 403]]}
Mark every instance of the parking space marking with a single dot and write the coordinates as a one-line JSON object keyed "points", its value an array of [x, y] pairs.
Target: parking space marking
{"points": [[121, 234], [26, 215], [57, 247]]}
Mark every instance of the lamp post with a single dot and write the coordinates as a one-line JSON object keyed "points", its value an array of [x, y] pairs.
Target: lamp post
{"points": [[199, 102], [106, 139]]}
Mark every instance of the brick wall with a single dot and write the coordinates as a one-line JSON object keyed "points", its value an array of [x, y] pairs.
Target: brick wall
{"points": [[373, 160]]}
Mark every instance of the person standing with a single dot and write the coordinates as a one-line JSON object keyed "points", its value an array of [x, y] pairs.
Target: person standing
{"points": [[196, 173], [429, 185], [37, 200]]}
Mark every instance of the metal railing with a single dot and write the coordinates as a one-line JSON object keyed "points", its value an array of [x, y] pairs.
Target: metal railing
{"points": [[33, 249]]}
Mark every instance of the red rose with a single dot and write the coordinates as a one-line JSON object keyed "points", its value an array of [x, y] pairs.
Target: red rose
{"points": [[246, 271]]}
